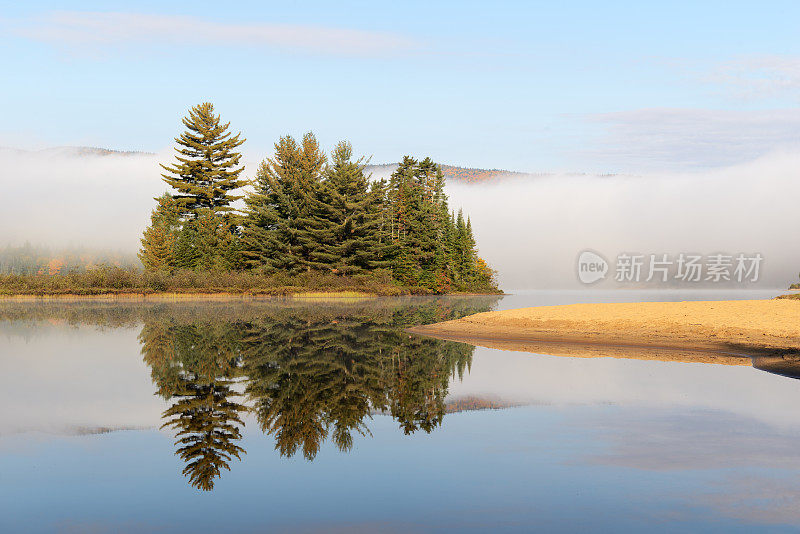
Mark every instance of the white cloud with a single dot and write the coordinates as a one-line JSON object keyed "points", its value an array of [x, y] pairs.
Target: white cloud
{"points": [[760, 76], [691, 138], [92, 29]]}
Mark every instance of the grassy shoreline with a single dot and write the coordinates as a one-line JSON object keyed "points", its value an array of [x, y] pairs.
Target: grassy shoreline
{"points": [[284, 293], [118, 283]]}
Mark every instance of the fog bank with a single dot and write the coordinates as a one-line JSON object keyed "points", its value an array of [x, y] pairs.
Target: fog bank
{"points": [[531, 230]]}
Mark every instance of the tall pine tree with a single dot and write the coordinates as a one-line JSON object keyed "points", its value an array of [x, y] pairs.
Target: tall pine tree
{"points": [[418, 212], [348, 229], [203, 178], [207, 168], [280, 220]]}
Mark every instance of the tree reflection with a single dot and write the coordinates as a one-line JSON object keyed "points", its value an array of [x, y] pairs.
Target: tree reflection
{"points": [[195, 366], [307, 372]]}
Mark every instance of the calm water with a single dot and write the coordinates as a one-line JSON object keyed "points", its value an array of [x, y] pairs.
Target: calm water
{"points": [[317, 416]]}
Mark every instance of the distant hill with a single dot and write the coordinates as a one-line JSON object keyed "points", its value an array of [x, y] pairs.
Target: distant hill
{"points": [[91, 151], [455, 173], [75, 151], [452, 173]]}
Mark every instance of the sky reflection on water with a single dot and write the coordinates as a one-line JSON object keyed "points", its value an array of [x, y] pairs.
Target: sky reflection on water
{"points": [[578, 443]]}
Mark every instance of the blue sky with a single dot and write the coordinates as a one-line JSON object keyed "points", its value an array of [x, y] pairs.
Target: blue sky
{"points": [[533, 86]]}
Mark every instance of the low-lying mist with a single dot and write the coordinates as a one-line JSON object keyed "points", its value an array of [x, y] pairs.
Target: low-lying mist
{"points": [[530, 229]]}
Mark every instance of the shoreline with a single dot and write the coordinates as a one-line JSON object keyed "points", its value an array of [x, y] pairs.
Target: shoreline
{"points": [[201, 295], [702, 331]]}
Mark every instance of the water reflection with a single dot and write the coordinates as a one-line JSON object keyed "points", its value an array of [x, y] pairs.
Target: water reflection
{"points": [[307, 371], [194, 370]]}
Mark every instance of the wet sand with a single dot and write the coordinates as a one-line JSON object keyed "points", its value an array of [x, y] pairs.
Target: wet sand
{"points": [[707, 332]]}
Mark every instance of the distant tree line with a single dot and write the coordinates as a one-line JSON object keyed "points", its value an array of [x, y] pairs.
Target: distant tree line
{"points": [[29, 259], [307, 213]]}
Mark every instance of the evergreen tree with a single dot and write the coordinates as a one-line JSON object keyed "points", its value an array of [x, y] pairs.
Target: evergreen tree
{"points": [[308, 222], [159, 239], [279, 225], [304, 214], [431, 222], [460, 249], [471, 254], [187, 252], [403, 208], [418, 209], [348, 230], [216, 244], [264, 231], [309, 372], [207, 168]]}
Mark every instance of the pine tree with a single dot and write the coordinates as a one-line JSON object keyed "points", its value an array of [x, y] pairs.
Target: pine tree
{"points": [[195, 365], [309, 221], [403, 206], [187, 252], [279, 225], [460, 250], [348, 230], [216, 245], [207, 168], [263, 232], [418, 208], [385, 247], [431, 223], [159, 239], [470, 265]]}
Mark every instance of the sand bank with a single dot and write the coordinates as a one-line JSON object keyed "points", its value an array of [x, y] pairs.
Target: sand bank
{"points": [[709, 332]]}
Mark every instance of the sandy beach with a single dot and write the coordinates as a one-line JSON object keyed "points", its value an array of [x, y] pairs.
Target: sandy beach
{"points": [[708, 332]]}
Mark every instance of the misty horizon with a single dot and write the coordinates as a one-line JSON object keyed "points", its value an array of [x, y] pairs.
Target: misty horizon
{"points": [[530, 228]]}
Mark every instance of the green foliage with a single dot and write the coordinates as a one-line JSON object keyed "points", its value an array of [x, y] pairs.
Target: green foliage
{"points": [[279, 226], [117, 280], [348, 228], [306, 215], [794, 286], [158, 241], [207, 167], [194, 227], [216, 243], [435, 249]]}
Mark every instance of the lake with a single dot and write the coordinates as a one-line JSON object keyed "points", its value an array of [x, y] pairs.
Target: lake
{"points": [[327, 416]]}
